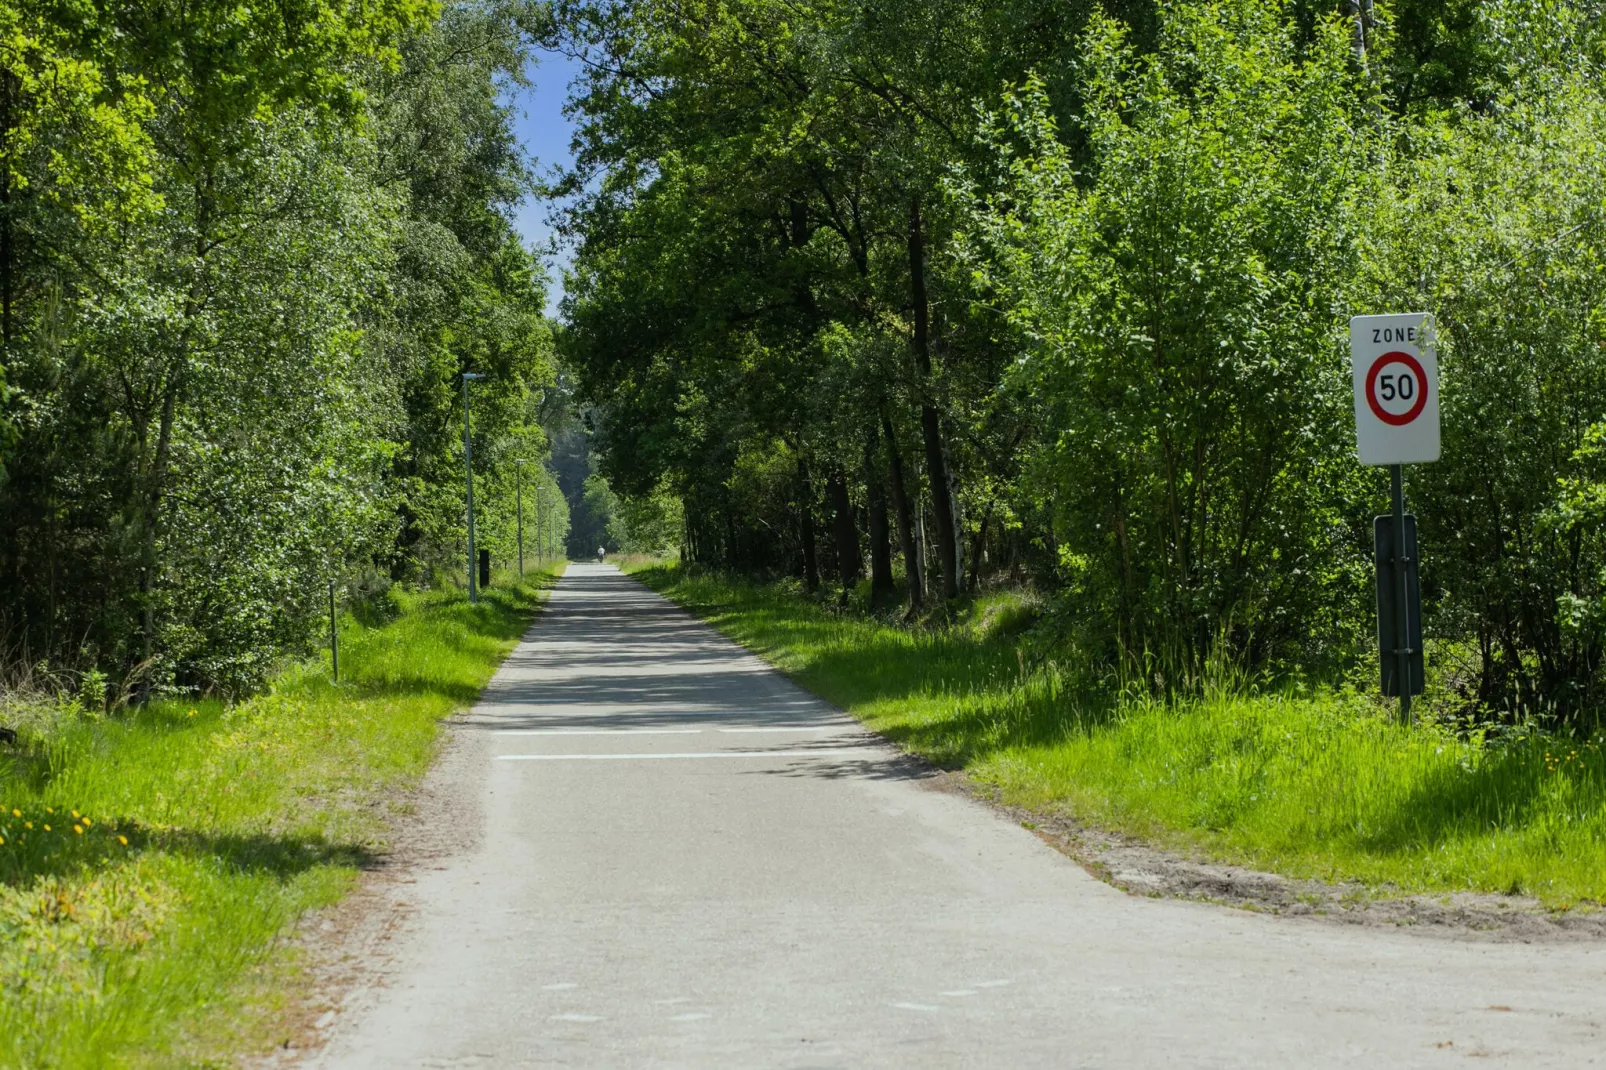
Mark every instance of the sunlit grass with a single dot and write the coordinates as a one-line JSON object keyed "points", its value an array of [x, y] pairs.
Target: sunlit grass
{"points": [[1326, 785], [184, 838]]}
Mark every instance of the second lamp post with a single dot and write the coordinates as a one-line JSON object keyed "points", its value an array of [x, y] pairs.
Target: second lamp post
{"points": [[521, 462], [468, 469]]}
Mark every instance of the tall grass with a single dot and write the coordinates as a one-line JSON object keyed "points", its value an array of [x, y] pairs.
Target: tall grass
{"points": [[1323, 784], [150, 861]]}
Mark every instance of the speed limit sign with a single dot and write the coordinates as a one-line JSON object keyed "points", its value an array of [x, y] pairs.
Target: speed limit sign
{"points": [[1396, 376]]}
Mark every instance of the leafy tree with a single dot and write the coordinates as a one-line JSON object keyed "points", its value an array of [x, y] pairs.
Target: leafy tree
{"points": [[1496, 225], [648, 525], [1181, 295], [466, 295], [236, 330]]}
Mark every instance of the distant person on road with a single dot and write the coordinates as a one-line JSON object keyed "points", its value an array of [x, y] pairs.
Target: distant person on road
{"points": [[602, 551]]}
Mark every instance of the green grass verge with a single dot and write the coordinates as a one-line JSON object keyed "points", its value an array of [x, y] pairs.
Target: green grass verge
{"points": [[1326, 785], [152, 861]]}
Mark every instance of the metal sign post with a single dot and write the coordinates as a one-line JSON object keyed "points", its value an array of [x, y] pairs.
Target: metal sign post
{"points": [[1399, 604], [468, 483], [1396, 380]]}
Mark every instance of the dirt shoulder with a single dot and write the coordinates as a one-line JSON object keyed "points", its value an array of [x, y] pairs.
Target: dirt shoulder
{"points": [[349, 949]]}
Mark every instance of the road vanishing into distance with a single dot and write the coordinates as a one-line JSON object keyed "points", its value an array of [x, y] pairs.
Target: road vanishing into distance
{"points": [[671, 856]]}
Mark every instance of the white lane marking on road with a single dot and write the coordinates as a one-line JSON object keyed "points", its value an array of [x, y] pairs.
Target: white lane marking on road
{"points": [[598, 731], [956, 993], [926, 1007], [694, 1017], [990, 984], [866, 753], [576, 1018], [561, 986]]}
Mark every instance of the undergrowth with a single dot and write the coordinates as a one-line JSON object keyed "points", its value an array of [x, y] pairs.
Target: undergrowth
{"points": [[149, 861], [1322, 783]]}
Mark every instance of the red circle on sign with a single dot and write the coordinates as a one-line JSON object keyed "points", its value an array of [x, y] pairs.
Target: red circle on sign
{"points": [[1397, 419]]}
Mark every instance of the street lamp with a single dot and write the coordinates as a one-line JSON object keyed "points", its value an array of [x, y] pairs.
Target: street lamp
{"points": [[468, 468], [519, 497]]}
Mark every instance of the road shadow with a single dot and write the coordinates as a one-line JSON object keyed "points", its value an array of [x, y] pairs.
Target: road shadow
{"points": [[623, 654], [874, 767]]}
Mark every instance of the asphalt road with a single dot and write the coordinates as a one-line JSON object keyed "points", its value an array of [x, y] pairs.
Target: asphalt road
{"points": [[674, 857]]}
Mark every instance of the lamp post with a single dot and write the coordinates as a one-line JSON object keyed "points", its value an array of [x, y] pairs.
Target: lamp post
{"points": [[468, 469], [519, 497]]}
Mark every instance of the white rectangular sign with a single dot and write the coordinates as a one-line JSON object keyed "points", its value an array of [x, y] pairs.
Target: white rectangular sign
{"points": [[1396, 373]]}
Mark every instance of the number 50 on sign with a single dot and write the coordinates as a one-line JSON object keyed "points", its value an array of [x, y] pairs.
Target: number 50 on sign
{"points": [[1396, 374]]}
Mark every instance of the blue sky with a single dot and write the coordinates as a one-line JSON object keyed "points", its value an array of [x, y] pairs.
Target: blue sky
{"points": [[545, 133]]}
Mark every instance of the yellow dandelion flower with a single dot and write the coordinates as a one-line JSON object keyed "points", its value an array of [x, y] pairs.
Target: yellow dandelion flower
{"points": [[2, 841], [75, 814], [87, 822], [48, 810], [78, 829], [28, 823], [47, 828], [123, 840], [15, 812]]}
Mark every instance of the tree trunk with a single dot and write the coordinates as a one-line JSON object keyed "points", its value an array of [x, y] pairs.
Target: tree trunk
{"points": [[881, 588], [978, 550], [8, 92], [849, 565], [942, 491], [155, 487], [913, 568], [7, 258], [811, 561]]}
